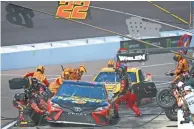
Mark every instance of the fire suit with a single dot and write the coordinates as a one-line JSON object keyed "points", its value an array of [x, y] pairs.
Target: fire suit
{"points": [[20, 101], [38, 87], [127, 95], [54, 86], [182, 68], [73, 74], [38, 104], [79, 74], [39, 76]]}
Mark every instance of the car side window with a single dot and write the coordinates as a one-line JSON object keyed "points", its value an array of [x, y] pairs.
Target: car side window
{"points": [[141, 76]]}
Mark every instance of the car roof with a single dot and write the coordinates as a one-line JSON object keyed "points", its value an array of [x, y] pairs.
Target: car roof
{"points": [[82, 83], [111, 69]]}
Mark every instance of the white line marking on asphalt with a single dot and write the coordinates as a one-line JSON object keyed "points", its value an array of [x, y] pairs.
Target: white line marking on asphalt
{"points": [[21, 75], [159, 81], [9, 125], [163, 83], [155, 65], [51, 78], [146, 66]]}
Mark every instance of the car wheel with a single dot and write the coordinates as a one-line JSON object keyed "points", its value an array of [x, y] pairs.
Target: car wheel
{"points": [[171, 113], [165, 99]]}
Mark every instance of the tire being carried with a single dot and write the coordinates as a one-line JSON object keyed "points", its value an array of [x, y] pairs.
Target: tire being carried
{"points": [[165, 99]]}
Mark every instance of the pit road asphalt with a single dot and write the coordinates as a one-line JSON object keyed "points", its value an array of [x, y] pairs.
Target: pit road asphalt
{"points": [[157, 66]]}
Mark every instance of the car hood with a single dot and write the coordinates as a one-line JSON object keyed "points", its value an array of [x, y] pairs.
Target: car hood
{"points": [[79, 101]]}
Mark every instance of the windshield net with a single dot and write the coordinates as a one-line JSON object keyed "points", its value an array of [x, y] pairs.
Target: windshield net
{"points": [[111, 77]]}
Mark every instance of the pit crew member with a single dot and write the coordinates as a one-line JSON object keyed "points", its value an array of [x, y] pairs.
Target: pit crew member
{"points": [[20, 101], [80, 71], [39, 74], [54, 86], [126, 94], [181, 68], [189, 103], [110, 63]]}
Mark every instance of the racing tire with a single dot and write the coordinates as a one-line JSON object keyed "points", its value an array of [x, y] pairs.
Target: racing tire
{"points": [[165, 99], [171, 113]]}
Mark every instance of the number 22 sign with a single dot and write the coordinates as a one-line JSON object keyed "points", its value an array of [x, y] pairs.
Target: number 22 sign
{"points": [[73, 9]]}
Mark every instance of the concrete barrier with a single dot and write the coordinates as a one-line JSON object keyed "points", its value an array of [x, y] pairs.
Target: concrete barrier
{"points": [[25, 56], [26, 59]]}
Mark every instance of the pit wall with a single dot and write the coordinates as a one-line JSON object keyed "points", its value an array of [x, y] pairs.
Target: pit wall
{"points": [[60, 52]]}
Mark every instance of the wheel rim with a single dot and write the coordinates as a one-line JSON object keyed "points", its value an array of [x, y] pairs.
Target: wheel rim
{"points": [[166, 98]]}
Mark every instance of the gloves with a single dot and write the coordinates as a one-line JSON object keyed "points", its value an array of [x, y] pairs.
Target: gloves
{"points": [[46, 113], [171, 74]]}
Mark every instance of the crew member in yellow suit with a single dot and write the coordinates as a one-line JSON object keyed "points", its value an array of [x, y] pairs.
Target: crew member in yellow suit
{"points": [[39, 74], [80, 71], [110, 63], [55, 85], [181, 68]]}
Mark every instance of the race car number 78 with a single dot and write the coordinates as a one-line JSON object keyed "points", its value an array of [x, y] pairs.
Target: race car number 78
{"points": [[73, 9]]}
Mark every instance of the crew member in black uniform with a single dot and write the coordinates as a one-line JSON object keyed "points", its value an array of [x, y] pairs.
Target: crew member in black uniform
{"points": [[126, 93]]}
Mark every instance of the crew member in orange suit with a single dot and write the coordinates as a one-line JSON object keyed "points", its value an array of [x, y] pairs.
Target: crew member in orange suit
{"points": [[39, 74], [110, 63], [181, 68], [80, 71], [54, 86], [73, 73]]}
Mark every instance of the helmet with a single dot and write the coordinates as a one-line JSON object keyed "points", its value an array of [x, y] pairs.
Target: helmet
{"points": [[110, 63], [177, 57], [20, 96], [35, 82], [65, 74], [123, 67], [82, 69], [41, 69]]}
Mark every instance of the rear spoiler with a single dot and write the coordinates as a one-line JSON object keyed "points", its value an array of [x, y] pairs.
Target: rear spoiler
{"points": [[134, 55]]}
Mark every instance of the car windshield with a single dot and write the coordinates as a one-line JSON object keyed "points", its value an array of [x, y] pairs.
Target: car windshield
{"points": [[82, 91], [111, 77]]}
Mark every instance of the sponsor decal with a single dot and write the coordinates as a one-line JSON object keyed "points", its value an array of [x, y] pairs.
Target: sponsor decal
{"points": [[79, 101], [166, 42], [132, 58], [77, 109], [78, 114]]}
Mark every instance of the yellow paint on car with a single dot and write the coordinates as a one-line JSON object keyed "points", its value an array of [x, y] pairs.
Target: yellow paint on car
{"points": [[115, 87]]}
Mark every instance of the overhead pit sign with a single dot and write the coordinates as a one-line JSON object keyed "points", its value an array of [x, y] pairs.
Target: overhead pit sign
{"points": [[133, 57]]}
